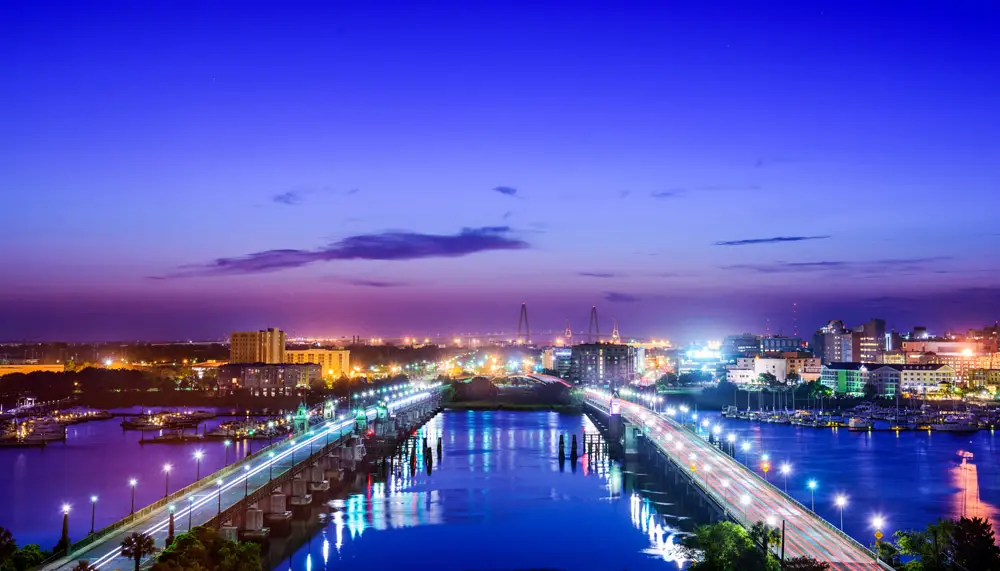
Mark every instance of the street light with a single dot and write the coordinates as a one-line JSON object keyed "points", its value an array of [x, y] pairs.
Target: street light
{"points": [[190, 510], [744, 501], [93, 512], [746, 453], [166, 479], [725, 494], [219, 483], [246, 481], [812, 493], [132, 482], [841, 501], [270, 463], [731, 438], [785, 469], [198, 455], [877, 522], [226, 444]]}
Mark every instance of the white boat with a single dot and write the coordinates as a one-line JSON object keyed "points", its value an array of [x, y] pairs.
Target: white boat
{"points": [[46, 431], [858, 423], [956, 424]]}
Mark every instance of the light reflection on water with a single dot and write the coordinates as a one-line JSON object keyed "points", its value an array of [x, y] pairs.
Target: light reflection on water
{"points": [[497, 498]]}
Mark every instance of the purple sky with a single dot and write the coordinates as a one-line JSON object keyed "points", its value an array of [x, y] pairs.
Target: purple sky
{"points": [[171, 170]]}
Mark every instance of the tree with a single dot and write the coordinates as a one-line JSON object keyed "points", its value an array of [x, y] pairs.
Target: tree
{"points": [[767, 379], [28, 557], [137, 546], [202, 548], [929, 546], [804, 564], [725, 546], [871, 391], [973, 545], [8, 547]]}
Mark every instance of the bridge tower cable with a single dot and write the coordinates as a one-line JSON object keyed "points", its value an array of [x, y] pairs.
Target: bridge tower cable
{"points": [[522, 325], [594, 329]]}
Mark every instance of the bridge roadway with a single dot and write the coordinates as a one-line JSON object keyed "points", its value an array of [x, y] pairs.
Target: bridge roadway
{"points": [[202, 502], [745, 496]]}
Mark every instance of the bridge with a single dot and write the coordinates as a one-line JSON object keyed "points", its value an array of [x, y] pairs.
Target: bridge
{"points": [[740, 493], [225, 496]]}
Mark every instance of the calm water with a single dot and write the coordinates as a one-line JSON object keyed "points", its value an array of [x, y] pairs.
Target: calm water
{"points": [[498, 499], [911, 478], [97, 458]]}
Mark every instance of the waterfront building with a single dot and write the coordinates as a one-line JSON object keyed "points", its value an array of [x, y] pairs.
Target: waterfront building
{"points": [[806, 365], [911, 379], [264, 346], [558, 359], [845, 378], [979, 378], [268, 380], [333, 363], [749, 369], [963, 356], [603, 362], [834, 343]]}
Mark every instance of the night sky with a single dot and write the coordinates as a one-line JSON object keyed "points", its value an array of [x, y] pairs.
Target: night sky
{"points": [[175, 170]]}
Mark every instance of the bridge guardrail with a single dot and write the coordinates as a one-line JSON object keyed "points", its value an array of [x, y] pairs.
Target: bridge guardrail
{"points": [[746, 470]]}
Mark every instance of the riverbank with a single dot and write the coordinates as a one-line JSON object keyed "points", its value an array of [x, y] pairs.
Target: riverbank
{"points": [[528, 407]]}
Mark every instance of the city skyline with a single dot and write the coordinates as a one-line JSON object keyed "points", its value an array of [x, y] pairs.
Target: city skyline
{"points": [[692, 171]]}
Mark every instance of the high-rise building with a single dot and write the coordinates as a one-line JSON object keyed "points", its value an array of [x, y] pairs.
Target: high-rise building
{"points": [[743, 345], [333, 363], [558, 359], [265, 346], [834, 343], [869, 341], [603, 362]]}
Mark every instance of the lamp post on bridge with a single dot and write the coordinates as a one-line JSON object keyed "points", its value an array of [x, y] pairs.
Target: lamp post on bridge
{"points": [[93, 512], [132, 482], [166, 479], [270, 464], [220, 497], [225, 444], [246, 481], [812, 493], [785, 469], [198, 455], [190, 510], [841, 501]]}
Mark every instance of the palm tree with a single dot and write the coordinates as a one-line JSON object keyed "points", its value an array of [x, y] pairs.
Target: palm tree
{"points": [[83, 565], [765, 536], [136, 546]]}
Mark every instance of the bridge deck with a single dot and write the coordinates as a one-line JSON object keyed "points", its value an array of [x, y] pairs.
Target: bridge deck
{"points": [[201, 504], [729, 483]]}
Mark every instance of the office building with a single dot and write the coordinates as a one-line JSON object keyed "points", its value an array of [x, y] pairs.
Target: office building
{"points": [[268, 380], [603, 363], [834, 343], [264, 346], [743, 345], [869, 341], [333, 363], [558, 359], [779, 344], [845, 378], [911, 379]]}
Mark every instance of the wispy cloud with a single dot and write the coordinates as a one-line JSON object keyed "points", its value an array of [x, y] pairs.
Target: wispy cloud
{"points": [[298, 195], [870, 267], [624, 193], [597, 274], [393, 246], [288, 198], [505, 190], [374, 283], [619, 297], [774, 240], [762, 162], [662, 194]]}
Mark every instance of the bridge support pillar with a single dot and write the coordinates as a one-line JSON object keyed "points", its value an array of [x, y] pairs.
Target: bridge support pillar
{"points": [[318, 485], [277, 517], [253, 527], [632, 436], [301, 500]]}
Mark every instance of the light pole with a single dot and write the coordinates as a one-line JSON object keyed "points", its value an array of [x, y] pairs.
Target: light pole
{"points": [[725, 494], [220, 497], [841, 501], [812, 493], [93, 512], [198, 455], [246, 481], [293, 453], [225, 444], [877, 523], [190, 510], [166, 479], [744, 501], [746, 453], [731, 439], [132, 482], [270, 464], [785, 469]]}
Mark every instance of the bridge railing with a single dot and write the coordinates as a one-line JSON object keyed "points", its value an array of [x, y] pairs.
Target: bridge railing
{"points": [[139, 515], [723, 500]]}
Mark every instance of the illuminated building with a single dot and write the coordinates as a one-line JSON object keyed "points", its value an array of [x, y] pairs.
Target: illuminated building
{"points": [[558, 359], [963, 356], [749, 369], [705, 359], [845, 378], [603, 362], [779, 344], [834, 343], [333, 363], [869, 341], [743, 345], [267, 380], [264, 346], [911, 379]]}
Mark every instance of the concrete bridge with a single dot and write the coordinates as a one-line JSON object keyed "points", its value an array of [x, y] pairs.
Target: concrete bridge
{"points": [[259, 495], [738, 492]]}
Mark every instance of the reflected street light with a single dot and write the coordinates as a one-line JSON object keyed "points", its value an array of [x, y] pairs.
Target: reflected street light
{"points": [[812, 493], [841, 501]]}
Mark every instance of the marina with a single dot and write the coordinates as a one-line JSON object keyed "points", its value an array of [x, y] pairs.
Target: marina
{"points": [[867, 417]]}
